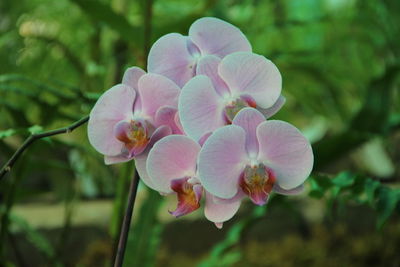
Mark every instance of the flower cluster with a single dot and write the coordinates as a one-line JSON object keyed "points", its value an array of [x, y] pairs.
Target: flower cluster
{"points": [[196, 123]]}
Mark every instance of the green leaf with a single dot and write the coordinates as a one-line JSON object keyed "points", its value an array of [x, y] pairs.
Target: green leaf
{"points": [[7, 133], [374, 115], [35, 237], [371, 187], [103, 14], [387, 201], [84, 177], [219, 255], [35, 129], [344, 179], [92, 96], [373, 118], [145, 234], [319, 185], [12, 77], [18, 91]]}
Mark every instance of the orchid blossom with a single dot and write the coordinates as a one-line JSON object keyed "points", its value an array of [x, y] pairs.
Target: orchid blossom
{"points": [[253, 157], [223, 87], [130, 116], [172, 168], [209, 142], [176, 56]]}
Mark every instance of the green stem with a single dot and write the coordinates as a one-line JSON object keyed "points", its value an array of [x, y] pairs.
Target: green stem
{"points": [[31, 139], [5, 218], [123, 237]]}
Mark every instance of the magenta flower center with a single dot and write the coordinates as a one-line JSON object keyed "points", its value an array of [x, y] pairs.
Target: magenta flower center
{"points": [[188, 195], [134, 134], [257, 183], [233, 107]]}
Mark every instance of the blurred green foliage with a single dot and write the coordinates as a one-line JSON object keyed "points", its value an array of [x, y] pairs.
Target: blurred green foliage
{"points": [[340, 66]]}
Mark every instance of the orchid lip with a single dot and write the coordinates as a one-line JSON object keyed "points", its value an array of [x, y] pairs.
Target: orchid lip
{"points": [[257, 182], [135, 134], [188, 195], [234, 105]]}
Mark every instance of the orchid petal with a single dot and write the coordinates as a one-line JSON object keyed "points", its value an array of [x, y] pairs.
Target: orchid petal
{"points": [[179, 124], [140, 165], [113, 106], [200, 108], [108, 160], [284, 150], [208, 65], [269, 112], [171, 56], [131, 77], [217, 37], [219, 225], [219, 212], [252, 74], [203, 139], [222, 160], [156, 91], [294, 191], [173, 157], [238, 197], [159, 133], [166, 115], [249, 119]]}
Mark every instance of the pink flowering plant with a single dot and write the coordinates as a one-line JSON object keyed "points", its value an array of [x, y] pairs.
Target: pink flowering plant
{"points": [[197, 124]]}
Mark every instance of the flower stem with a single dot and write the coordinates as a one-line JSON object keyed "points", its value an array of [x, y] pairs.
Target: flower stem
{"points": [[33, 137], [123, 237]]}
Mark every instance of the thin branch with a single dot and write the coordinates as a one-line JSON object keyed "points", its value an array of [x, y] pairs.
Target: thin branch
{"points": [[31, 139], [123, 237], [120, 206], [9, 200]]}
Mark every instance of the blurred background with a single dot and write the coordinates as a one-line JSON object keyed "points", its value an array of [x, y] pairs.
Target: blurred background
{"points": [[61, 206]]}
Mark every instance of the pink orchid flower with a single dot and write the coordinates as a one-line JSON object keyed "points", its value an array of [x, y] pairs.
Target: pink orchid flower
{"points": [[172, 168], [176, 56], [254, 157], [131, 116], [223, 87]]}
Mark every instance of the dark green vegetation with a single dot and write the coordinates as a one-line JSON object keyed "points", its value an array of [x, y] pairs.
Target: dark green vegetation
{"points": [[340, 61]]}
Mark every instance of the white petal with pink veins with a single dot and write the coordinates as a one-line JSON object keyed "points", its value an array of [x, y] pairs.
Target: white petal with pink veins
{"points": [[222, 160], [217, 37], [140, 165], [284, 150], [252, 74], [132, 76], [173, 157], [115, 105], [200, 108], [219, 212], [269, 112], [170, 56], [249, 119], [156, 91], [208, 65]]}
